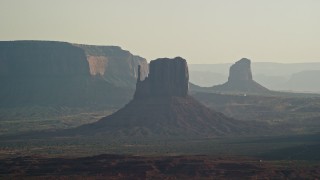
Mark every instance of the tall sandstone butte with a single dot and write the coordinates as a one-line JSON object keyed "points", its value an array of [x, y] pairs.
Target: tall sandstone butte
{"points": [[162, 107], [168, 77]]}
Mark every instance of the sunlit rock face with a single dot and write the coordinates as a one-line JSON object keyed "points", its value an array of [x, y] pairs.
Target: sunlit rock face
{"points": [[115, 65]]}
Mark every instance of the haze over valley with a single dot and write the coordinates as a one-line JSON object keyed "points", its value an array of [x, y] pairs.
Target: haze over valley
{"points": [[159, 90]]}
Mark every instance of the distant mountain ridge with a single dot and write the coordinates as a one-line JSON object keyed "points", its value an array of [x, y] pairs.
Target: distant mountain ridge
{"points": [[305, 81], [274, 76], [278, 69]]}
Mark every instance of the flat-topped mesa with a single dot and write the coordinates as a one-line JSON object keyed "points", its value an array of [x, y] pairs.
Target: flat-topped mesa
{"points": [[240, 71], [167, 77]]}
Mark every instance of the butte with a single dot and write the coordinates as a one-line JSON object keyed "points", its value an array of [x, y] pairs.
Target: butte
{"points": [[161, 107]]}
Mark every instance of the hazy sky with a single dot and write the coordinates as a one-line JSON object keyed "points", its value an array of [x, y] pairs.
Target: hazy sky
{"points": [[202, 31]]}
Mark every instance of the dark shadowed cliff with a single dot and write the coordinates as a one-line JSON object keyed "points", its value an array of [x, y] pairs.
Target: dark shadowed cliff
{"points": [[166, 78], [59, 73]]}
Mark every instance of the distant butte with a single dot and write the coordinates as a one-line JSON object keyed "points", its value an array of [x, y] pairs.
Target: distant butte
{"points": [[240, 80]]}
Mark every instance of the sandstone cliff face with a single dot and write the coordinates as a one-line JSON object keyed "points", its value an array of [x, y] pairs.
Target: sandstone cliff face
{"points": [[240, 80], [167, 77], [43, 72], [115, 65]]}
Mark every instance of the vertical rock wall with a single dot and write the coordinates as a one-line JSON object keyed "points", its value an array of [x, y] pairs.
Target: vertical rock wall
{"points": [[167, 77], [240, 71]]}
